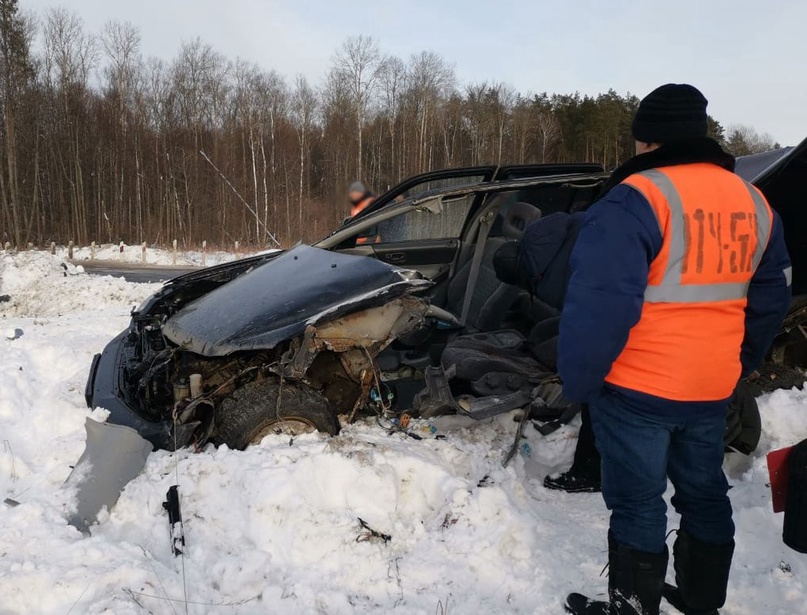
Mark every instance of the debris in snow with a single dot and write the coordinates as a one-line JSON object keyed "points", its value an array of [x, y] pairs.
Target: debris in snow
{"points": [[171, 506], [370, 534]]}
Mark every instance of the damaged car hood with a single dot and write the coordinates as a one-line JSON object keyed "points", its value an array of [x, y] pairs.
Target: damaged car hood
{"points": [[277, 300]]}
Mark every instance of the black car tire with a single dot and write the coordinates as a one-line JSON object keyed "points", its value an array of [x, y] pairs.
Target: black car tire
{"points": [[252, 411], [771, 377]]}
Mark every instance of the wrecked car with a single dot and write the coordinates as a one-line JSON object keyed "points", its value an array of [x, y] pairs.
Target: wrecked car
{"points": [[360, 322]]}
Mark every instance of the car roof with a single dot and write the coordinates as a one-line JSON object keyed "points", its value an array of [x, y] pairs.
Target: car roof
{"points": [[757, 168], [488, 186], [490, 174]]}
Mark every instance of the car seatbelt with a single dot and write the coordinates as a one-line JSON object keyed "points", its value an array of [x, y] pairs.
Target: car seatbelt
{"points": [[485, 222]]}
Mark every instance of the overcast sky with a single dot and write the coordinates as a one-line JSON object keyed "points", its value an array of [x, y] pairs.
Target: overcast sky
{"points": [[749, 57]]}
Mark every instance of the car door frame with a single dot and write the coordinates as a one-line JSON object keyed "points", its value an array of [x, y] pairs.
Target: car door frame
{"points": [[434, 258], [486, 172]]}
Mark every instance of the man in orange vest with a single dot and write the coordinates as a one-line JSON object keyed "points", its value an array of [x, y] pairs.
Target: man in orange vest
{"points": [[361, 197], [680, 280]]}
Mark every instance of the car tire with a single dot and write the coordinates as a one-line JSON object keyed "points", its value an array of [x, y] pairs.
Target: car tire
{"points": [[252, 412], [771, 377]]}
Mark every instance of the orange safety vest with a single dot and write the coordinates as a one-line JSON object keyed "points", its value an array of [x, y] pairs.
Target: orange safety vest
{"points": [[356, 210], [361, 206], [714, 228]]}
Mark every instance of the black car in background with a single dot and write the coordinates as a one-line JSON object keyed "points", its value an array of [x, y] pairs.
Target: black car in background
{"points": [[287, 342]]}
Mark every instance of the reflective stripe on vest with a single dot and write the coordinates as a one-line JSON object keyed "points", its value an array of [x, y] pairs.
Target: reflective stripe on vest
{"points": [[671, 289]]}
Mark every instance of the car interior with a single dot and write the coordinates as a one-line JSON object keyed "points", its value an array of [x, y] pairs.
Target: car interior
{"points": [[481, 307]]}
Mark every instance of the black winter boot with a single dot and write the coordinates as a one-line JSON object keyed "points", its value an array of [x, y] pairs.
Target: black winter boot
{"points": [[570, 482], [635, 584], [701, 573], [584, 475]]}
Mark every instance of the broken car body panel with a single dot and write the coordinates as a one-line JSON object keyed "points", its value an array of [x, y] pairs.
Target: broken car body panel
{"points": [[249, 320], [113, 456], [276, 301]]}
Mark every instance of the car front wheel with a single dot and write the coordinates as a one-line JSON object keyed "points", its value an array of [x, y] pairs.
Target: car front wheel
{"points": [[253, 412]]}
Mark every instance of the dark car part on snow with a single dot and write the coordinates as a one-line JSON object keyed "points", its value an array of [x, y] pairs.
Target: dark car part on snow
{"points": [[176, 528], [485, 374], [794, 532], [522, 423], [369, 533], [113, 455], [771, 377]]}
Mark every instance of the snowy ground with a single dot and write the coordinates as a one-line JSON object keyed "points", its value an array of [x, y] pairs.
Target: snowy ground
{"points": [[274, 529]]}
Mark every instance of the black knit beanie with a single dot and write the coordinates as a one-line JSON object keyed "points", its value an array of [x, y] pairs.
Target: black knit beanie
{"points": [[672, 112]]}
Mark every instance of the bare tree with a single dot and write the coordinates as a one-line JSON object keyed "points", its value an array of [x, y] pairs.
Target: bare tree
{"points": [[548, 130], [393, 77], [523, 129], [70, 52], [16, 73], [120, 157], [304, 106], [274, 97], [743, 140], [431, 79], [121, 46], [475, 119], [357, 64], [120, 43], [69, 57], [503, 98]]}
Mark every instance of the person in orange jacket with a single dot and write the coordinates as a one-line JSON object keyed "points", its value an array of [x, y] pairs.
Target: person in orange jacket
{"points": [[680, 280], [360, 196]]}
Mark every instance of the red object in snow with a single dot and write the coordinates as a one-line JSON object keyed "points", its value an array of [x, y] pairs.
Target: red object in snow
{"points": [[778, 472]]}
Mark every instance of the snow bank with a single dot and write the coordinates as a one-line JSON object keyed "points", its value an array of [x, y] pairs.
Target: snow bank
{"points": [[154, 256], [38, 284], [274, 529]]}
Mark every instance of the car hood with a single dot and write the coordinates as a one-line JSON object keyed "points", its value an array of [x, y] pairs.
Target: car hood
{"points": [[278, 299]]}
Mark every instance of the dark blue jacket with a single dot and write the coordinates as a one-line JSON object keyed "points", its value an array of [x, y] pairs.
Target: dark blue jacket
{"points": [[546, 249], [610, 265]]}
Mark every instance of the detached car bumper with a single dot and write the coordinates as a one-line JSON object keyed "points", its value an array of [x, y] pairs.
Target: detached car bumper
{"points": [[105, 389]]}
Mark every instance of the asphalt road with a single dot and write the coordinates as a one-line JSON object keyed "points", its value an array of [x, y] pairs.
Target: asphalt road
{"points": [[134, 272]]}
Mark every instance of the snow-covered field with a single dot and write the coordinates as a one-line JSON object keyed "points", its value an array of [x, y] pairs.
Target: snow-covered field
{"points": [[274, 529]]}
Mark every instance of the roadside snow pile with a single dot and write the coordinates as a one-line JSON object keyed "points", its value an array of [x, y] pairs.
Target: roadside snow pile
{"points": [[154, 256], [275, 529], [38, 284]]}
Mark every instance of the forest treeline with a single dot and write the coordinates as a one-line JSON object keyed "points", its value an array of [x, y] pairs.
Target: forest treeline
{"points": [[99, 143]]}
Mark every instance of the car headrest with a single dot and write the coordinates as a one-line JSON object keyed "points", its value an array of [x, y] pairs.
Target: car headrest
{"points": [[518, 216], [505, 263]]}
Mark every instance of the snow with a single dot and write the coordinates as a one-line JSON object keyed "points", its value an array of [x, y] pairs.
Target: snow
{"points": [[274, 529], [154, 256]]}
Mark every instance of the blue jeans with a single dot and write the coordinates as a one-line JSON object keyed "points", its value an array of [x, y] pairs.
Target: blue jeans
{"points": [[640, 449]]}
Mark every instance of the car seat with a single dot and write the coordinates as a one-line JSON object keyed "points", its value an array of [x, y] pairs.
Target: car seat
{"points": [[491, 297]]}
